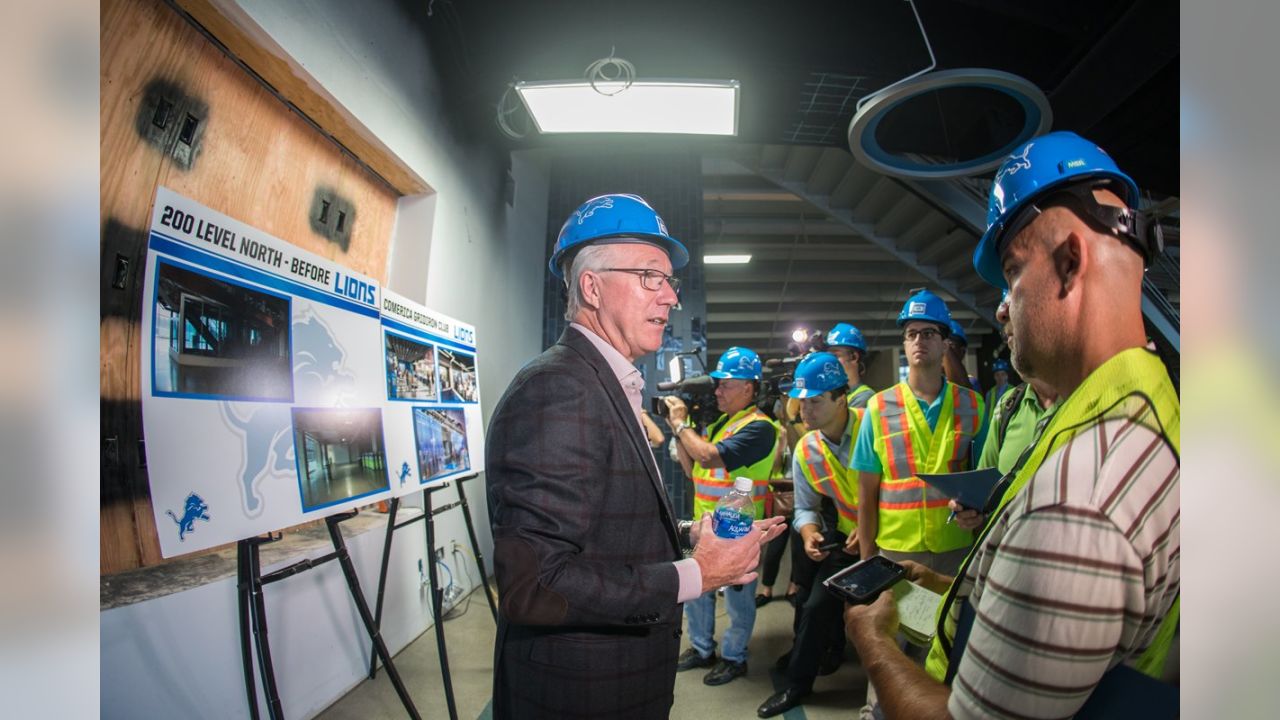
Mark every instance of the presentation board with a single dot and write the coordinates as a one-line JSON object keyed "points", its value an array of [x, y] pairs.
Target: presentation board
{"points": [[284, 387]]}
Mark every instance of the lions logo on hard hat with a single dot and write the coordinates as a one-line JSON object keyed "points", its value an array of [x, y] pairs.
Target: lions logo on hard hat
{"points": [[738, 363], [590, 207], [818, 373]]}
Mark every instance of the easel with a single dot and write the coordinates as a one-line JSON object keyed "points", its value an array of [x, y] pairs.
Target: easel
{"points": [[437, 592], [253, 614]]}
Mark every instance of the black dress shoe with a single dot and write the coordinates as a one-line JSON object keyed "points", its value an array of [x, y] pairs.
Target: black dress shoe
{"points": [[781, 702], [724, 671], [690, 659], [762, 599]]}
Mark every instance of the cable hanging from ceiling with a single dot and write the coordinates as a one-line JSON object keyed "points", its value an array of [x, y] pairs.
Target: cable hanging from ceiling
{"points": [[508, 105], [611, 69]]}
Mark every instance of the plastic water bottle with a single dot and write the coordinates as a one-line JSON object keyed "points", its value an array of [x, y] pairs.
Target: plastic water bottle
{"points": [[735, 512]]}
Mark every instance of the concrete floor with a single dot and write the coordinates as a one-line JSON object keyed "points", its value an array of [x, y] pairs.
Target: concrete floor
{"points": [[470, 646]]}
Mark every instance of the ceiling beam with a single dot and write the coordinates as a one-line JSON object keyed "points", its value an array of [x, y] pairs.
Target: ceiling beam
{"points": [[867, 231]]}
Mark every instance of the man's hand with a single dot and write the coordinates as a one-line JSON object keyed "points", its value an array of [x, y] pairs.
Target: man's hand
{"points": [[731, 562], [926, 578], [851, 544], [812, 540], [772, 527], [880, 618], [677, 413], [966, 519]]}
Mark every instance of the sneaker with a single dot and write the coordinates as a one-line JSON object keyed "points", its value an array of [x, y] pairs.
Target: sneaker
{"points": [[690, 659], [725, 671]]}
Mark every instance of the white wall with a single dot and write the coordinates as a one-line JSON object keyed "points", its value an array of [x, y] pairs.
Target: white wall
{"points": [[463, 252], [179, 655]]}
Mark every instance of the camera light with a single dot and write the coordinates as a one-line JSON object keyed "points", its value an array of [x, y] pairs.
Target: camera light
{"points": [[800, 335]]}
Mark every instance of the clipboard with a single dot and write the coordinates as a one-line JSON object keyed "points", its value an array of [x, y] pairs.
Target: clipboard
{"points": [[979, 490]]}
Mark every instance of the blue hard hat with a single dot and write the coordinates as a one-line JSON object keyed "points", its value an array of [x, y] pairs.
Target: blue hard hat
{"points": [[1001, 365], [1037, 166], [820, 372], [613, 217], [924, 305], [958, 332], [846, 335], [738, 363]]}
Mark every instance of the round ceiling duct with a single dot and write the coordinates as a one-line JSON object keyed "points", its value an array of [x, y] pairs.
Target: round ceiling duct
{"points": [[952, 123]]}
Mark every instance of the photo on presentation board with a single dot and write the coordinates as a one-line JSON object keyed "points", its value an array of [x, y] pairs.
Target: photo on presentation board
{"points": [[457, 376], [441, 438], [218, 339], [411, 369], [341, 454]]}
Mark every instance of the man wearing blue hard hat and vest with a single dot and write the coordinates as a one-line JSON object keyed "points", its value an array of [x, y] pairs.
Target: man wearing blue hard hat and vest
{"points": [[586, 545], [953, 361], [1068, 603], [742, 442], [1000, 370], [850, 348], [921, 425], [826, 512], [924, 424]]}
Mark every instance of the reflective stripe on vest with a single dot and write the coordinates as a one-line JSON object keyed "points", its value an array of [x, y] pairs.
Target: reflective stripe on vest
{"points": [[1121, 387], [860, 396], [830, 477], [913, 515], [711, 484]]}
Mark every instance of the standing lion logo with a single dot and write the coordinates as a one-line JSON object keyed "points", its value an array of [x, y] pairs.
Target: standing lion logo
{"points": [[194, 508]]}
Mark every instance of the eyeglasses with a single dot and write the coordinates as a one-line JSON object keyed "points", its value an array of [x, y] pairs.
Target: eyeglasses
{"points": [[651, 279], [926, 334]]}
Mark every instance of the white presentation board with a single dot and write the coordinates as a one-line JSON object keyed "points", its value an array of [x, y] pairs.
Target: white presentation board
{"points": [[280, 387]]}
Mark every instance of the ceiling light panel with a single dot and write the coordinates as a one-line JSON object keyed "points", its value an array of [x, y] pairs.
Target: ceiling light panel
{"points": [[688, 107]]}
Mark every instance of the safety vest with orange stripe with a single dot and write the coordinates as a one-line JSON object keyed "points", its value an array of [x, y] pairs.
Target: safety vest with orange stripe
{"points": [[913, 515], [830, 477], [710, 484]]}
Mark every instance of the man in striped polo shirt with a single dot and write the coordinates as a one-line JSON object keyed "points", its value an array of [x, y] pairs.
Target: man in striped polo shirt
{"points": [[1068, 604]]}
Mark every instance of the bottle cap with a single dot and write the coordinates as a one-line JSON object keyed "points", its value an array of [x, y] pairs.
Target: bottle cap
{"points": [[743, 484]]}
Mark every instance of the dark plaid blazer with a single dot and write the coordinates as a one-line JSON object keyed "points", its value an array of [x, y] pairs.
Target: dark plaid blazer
{"points": [[584, 540]]}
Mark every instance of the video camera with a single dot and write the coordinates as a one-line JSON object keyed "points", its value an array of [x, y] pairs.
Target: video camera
{"points": [[689, 381], [697, 393], [779, 373]]}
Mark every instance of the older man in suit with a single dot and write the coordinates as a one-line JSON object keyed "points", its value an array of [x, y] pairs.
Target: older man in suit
{"points": [[586, 544]]}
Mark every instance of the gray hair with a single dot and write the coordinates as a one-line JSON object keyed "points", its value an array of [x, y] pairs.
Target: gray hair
{"points": [[592, 258]]}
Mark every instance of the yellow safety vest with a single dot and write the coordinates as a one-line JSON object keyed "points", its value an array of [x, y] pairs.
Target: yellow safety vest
{"points": [[830, 477], [860, 396], [1119, 388], [710, 484], [913, 515]]}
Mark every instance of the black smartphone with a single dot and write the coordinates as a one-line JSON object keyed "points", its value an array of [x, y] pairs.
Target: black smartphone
{"points": [[862, 582], [830, 546]]}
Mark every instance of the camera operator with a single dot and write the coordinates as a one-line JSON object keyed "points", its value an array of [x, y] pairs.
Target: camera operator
{"points": [[742, 442]]}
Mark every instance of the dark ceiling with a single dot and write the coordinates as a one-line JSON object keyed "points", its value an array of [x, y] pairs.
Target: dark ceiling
{"points": [[1110, 69]]}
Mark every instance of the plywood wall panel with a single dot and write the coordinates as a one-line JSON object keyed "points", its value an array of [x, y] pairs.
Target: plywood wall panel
{"points": [[252, 158]]}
